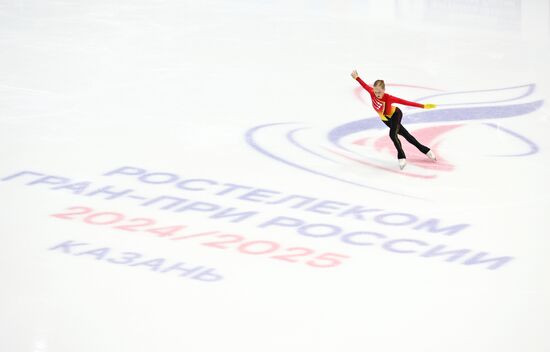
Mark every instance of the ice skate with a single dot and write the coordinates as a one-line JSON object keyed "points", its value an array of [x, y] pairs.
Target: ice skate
{"points": [[431, 155], [402, 163]]}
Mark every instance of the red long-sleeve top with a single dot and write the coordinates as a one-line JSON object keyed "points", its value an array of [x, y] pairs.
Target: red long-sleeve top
{"points": [[384, 106]]}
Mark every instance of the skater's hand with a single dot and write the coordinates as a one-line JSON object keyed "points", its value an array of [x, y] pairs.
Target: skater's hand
{"points": [[354, 74], [430, 106]]}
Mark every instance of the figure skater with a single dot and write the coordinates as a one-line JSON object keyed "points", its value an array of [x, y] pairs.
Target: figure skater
{"points": [[392, 115]]}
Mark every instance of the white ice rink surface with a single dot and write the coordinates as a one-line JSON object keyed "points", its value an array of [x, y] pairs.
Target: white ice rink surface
{"points": [[206, 176]]}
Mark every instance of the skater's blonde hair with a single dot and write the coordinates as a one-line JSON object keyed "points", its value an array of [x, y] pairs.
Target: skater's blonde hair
{"points": [[380, 82]]}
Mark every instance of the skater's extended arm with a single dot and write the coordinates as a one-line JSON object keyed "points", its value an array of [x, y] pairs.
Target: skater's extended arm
{"points": [[410, 103], [355, 76]]}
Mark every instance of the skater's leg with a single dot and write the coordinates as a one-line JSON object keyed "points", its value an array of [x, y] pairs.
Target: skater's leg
{"points": [[394, 124], [403, 132]]}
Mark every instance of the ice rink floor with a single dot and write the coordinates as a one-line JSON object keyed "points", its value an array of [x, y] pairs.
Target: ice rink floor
{"points": [[206, 176]]}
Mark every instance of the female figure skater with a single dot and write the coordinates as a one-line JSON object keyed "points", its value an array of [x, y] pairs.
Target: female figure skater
{"points": [[392, 115]]}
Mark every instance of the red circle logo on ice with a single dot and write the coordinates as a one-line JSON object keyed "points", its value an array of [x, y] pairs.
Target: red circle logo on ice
{"points": [[356, 150]]}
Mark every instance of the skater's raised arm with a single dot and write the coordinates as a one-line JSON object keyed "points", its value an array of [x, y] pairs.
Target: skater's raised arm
{"points": [[356, 77]]}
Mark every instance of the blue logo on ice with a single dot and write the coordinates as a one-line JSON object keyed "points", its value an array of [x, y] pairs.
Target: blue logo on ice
{"points": [[337, 153]]}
